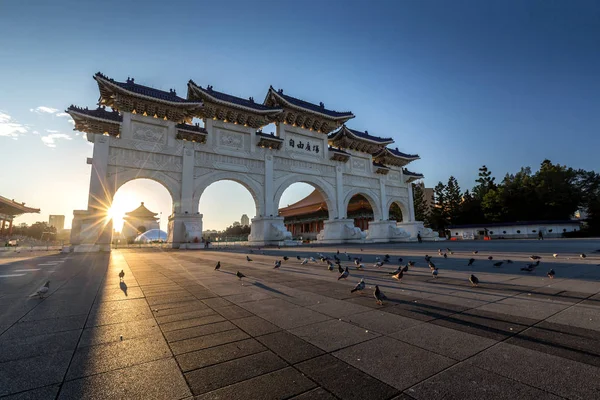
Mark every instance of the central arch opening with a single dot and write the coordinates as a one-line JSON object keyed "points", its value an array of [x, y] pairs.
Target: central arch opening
{"points": [[396, 212], [304, 209], [139, 210], [360, 210], [227, 209]]}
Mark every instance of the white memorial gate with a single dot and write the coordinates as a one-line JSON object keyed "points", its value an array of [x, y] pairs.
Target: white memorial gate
{"points": [[148, 134]]}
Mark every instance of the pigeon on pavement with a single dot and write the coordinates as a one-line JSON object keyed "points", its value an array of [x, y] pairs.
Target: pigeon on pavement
{"points": [[490, 258], [474, 281], [240, 275], [471, 261], [555, 255], [248, 259], [218, 266], [298, 258], [304, 262], [277, 264], [285, 258], [498, 264], [121, 275], [379, 296], [533, 258], [344, 274], [551, 274], [582, 255], [359, 286], [476, 251], [509, 261], [434, 273], [398, 275], [43, 290]]}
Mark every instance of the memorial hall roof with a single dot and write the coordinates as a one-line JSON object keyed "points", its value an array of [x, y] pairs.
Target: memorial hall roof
{"points": [[11, 207], [141, 213], [210, 94], [410, 173], [395, 157], [312, 203], [279, 98], [137, 89]]}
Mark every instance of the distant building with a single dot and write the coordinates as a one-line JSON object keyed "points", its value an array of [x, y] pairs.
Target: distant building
{"points": [[138, 221], [236, 223], [57, 221], [245, 221], [513, 230], [9, 210]]}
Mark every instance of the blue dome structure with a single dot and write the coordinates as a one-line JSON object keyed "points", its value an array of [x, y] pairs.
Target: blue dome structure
{"points": [[152, 235]]}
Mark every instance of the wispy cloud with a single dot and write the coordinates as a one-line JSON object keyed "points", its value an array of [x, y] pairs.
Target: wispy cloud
{"points": [[62, 114], [50, 140], [51, 131], [44, 109], [9, 127], [72, 122]]}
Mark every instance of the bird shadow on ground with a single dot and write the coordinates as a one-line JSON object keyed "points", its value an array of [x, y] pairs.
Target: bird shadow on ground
{"points": [[123, 287], [269, 289]]}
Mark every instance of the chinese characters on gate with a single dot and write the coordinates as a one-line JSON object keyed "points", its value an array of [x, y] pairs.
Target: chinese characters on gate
{"points": [[302, 146]]}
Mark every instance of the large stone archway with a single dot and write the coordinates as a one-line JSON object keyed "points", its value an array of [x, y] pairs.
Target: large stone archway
{"points": [[148, 134]]}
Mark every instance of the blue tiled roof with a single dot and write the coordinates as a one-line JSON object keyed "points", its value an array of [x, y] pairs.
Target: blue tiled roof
{"points": [[133, 87], [313, 107], [99, 112], [362, 135], [398, 153], [191, 128], [407, 172], [249, 103]]}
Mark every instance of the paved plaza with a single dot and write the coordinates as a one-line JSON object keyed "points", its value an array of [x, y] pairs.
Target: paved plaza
{"points": [[176, 329]]}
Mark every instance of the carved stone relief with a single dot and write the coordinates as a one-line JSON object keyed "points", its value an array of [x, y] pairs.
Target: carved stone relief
{"points": [[149, 133], [231, 139], [145, 160]]}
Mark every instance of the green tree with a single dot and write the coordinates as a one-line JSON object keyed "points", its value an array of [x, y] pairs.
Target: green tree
{"points": [[453, 200], [485, 183], [420, 203], [557, 192], [439, 213]]}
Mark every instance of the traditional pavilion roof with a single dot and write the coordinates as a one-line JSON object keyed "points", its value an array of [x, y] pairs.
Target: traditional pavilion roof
{"points": [[11, 207], [393, 157], [411, 176], [269, 140], [338, 154], [380, 168], [96, 121], [310, 204], [304, 114], [315, 202], [228, 108], [347, 138], [192, 133], [140, 213], [130, 96]]}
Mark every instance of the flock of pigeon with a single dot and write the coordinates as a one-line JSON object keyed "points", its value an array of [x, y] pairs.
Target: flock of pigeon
{"points": [[398, 274]]}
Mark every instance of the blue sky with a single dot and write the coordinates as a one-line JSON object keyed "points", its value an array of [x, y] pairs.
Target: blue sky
{"points": [[461, 83]]}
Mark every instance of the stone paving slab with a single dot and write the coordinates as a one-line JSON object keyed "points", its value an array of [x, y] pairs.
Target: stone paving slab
{"points": [[557, 375], [195, 331], [110, 356], [333, 334], [289, 347], [381, 322], [398, 364], [30, 373], [218, 354], [32, 346], [112, 333], [448, 342], [217, 376], [206, 341], [464, 381], [255, 326], [48, 392], [159, 380], [315, 394], [53, 325], [344, 381], [275, 385]]}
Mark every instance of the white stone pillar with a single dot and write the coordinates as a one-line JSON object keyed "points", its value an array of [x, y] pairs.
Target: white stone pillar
{"points": [[339, 194], [411, 203], [385, 212], [100, 194], [270, 209], [187, 181]]}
